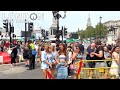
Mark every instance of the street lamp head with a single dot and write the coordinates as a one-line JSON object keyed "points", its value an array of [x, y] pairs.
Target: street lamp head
{"points": [[100, 17]]}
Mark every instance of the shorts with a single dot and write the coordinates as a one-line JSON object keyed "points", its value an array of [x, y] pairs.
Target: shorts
{"points": [[26, 57], [91, 64], [101, 64]]}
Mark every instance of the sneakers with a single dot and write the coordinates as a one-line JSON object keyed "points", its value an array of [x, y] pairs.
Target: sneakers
{"points": [[90, 78], [26, 65]]}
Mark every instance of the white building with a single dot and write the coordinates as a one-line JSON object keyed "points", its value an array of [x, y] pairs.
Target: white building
{"points": [[112, 35], [37, 32]]}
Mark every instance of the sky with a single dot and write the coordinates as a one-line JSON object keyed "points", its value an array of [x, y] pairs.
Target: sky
{"points": [[73, 20]]}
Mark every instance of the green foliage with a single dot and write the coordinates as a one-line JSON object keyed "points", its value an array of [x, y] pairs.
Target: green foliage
{"points": [[93, 32]]}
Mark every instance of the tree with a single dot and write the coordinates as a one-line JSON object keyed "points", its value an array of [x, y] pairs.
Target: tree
{"points": [[103, 29], [90, 31]]}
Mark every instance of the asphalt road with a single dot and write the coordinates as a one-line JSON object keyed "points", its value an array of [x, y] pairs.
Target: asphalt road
{"points": [[20, 72]]}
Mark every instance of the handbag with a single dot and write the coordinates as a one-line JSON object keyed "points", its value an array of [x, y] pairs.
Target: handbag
{"points": [[12, 55], [72, 66]]}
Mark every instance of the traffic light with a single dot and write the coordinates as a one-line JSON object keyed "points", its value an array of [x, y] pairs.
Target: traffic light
{"points": [[0, 32], [30, 26], [65, 31], [60, 32], [12, 29], [5, 25], [42, 31], [47, 34], [13, 35]]}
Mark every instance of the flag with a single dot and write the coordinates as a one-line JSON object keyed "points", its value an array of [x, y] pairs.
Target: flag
{"points": [[50, 76]]}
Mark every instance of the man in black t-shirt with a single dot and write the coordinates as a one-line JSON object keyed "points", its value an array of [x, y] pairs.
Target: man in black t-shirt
{"points": [[99, 55]]}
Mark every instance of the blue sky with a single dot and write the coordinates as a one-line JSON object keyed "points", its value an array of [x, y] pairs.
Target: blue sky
{"points": [[73, 20]]}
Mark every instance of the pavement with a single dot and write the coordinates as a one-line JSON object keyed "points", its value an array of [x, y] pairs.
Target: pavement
{"points": [[20, 72]]}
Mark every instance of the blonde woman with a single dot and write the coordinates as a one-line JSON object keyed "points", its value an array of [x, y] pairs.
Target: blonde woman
{"points": [[47, 59], [53, 50]]}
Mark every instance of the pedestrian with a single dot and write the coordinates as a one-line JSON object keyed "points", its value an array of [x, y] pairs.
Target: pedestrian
{"points": [[25, 54], [13, 54], [47, 59], [107, 55], [53, 50], [33, 51], [62, 66], [99, 55], [36, 48], [115, 62], [40, 51], [91, 64], [81, 47], [76, 57], [69, 53]]}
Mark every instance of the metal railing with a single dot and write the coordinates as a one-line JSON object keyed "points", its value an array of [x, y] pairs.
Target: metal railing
{"points": [[98, 72]]}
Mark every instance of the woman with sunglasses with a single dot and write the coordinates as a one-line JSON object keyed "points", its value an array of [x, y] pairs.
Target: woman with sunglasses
{"points": [[77, 56]]}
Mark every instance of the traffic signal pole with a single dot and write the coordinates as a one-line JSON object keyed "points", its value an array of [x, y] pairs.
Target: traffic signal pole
{"points": [[58, 25], [10, 34]]}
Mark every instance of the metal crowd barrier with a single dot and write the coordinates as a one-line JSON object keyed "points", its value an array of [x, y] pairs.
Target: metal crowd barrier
{"points": [[98, 72]]}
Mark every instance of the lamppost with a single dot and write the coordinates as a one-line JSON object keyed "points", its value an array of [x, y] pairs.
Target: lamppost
{"points": [[57, 16], [100, 26], [25, 31]]}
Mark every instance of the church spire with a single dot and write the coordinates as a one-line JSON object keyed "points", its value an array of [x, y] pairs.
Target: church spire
{"points": [[89, 21]]}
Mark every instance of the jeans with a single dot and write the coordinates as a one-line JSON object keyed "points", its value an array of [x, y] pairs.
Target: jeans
{"points": [[62, 72]]}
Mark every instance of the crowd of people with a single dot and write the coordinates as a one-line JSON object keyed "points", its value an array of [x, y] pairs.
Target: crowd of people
{"points": [[60, 60]]}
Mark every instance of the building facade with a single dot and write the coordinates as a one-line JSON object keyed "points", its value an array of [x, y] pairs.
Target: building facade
{"points": [[112, 35]]}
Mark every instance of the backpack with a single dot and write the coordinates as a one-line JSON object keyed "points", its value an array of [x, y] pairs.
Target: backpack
{"points": [[34, 52]]}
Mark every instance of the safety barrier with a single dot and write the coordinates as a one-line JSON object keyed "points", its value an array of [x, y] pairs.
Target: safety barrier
{"points": [[5, 58], [98, 72]]}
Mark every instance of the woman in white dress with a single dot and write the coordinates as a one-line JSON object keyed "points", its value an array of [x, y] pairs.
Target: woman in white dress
{"points": [[115, 62]]}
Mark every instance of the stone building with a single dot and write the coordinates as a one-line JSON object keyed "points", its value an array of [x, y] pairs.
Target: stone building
{"points": [[112, 35]]}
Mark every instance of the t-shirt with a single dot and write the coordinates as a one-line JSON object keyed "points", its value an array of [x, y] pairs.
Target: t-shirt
{"points": [[32, 46], [100, 48]]}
